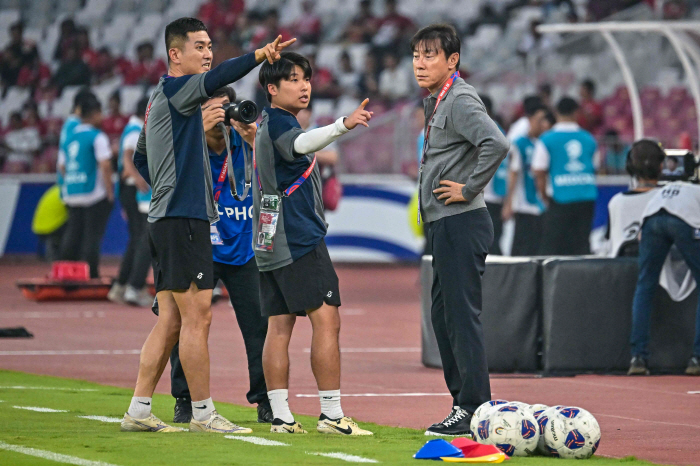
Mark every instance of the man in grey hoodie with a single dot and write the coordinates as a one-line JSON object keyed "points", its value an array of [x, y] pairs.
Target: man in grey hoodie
{"points": [[463, 149]]}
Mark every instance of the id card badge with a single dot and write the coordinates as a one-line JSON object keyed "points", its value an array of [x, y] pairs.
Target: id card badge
{"points": [[267, 223], [215, 237]]}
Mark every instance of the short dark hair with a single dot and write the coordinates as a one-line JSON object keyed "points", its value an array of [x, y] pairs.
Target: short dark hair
{"points": [[226, 91], [550, 117], [283, 69], [142, 106], [567, 106], [531, 104], [83, 94], [443, 35], [89, 106], [177, 31], [589, 85], [645, 158], [116, 95]]}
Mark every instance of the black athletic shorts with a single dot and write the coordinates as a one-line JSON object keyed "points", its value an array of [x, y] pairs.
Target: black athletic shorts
{"points": [[301, 286], [181, 253]]}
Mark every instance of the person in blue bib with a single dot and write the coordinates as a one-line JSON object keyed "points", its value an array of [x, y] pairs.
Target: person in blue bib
{"points": [[496, 190], [69, 125], [565, 157], [522, 201], [135, 197], [87, 187], [234, 261]]}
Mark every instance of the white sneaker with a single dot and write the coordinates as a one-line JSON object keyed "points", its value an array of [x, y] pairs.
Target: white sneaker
{"points": [[116, 293], [218, 424], [141, 298]]}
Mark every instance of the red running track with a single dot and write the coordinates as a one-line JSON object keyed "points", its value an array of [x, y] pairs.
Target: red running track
{"points": [[653, 418]]}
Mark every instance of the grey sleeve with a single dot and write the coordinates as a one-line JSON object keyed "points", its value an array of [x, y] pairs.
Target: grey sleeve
{"points": [[471, 121], [285, 144], [188, 96]]}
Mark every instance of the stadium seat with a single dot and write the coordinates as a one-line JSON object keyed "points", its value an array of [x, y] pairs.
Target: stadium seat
{"points": [[152, 6], [13, 101], [144, 31], [68, 6], [130, 96], [94, 12], [63, 104], [115, 34]]}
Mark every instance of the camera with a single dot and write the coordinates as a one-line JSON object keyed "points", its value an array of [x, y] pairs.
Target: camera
{"points": [[244, 111], [680, 165]]}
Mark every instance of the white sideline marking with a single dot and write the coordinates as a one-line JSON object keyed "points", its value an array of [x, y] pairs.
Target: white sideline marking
{"points": [[345, 457], [257, 440], [693, 393], [374, 350], [21, 387], [102, 418], [41, 410], [695, 426], [377, 394], [51, 456], [53, 315], [68, 352]]}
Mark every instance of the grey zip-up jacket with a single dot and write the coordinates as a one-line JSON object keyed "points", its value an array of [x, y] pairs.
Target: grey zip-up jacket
{"points": [[465, 146]]}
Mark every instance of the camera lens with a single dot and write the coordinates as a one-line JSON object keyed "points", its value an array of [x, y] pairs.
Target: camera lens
{"points": [[248, 111]]}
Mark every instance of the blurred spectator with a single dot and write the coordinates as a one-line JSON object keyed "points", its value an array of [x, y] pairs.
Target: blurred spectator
{"points": [[544, 92], [223, 47], [348, 78], [114, 124], [73, 70], [323, 82], [66, 39], [363, 26], [24, 49], [221, 14], [308, 28], [675, 9], [615, 153], [487, 15], [34, 74], [590, 116], [104, 67], [521, 126], [394, 81], [368, 85], [22, 144], [10, 67], [146, 70], [395, 29], [87, 53], [268, 31], [32, 118], [534, 43]]}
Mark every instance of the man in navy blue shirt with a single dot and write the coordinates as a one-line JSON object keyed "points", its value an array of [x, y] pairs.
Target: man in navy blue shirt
{"points": [[234, 261]]}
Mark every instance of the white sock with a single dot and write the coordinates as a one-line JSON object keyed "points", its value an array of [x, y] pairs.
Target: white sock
{"points": [[330, 403], [201, 410], [279, 401], [140, 407]]}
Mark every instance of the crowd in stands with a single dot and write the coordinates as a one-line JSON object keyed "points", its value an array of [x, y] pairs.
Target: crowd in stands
{"points": [[384, 74]]}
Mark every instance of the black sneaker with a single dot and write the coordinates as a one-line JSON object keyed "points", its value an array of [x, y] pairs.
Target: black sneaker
{"points": [[456, 423], [638, 366], [693, 366], [183, 411], [264, 413]]}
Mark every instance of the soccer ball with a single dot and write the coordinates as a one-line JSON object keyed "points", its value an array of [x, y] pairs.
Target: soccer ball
{"points": [[572, 433], [536, 409], [510, 428], [481, 411], [542, 421]]}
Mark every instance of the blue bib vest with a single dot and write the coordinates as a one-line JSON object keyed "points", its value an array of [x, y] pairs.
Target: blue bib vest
{"points": [[571, 165], [527, 148], [131, 128], [68, 126], [81, 164], [500, 179]]}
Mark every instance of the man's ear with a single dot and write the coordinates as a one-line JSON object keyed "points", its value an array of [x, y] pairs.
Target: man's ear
{"points": [[452, 61], [174, 55], [272, 89]]}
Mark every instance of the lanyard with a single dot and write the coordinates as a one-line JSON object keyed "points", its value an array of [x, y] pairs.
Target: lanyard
{"points": [[231, 175], [287, 192], [442, 94], [220, 181]]}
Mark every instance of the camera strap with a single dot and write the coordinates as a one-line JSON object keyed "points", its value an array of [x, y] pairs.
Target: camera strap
{"points": [[248, 170]]}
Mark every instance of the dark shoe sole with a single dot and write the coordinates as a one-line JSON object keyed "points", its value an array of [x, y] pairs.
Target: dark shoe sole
{"points": [[438, 434]]}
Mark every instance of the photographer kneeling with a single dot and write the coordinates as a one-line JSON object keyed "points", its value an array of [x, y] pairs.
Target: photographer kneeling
{"points": [[231, 238], [672, 216]]}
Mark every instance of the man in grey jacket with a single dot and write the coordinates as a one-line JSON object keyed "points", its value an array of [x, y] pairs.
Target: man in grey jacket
{"points": [[463, 149]]}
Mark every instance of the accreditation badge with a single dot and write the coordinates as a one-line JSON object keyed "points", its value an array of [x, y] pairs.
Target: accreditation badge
{"points": [[267, 223], [215, 237]]}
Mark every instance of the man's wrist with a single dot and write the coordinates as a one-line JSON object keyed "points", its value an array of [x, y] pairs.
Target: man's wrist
{"points": [[260, 55], [468, 194]]}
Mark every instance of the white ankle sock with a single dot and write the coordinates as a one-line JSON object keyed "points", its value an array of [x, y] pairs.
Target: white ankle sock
{"points": [[330, 403], [279, 401], [140, 407], [201, 410]]}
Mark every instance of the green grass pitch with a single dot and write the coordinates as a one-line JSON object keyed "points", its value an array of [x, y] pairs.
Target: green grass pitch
{"points": [[65, 433]]}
